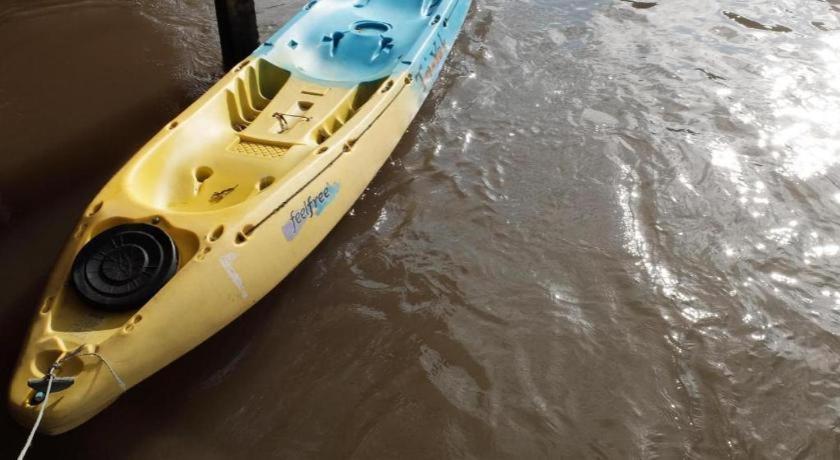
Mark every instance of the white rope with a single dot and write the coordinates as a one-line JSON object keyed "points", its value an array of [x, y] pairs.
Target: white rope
{"points": [[51, 377], [120, 382], [37, 420]]}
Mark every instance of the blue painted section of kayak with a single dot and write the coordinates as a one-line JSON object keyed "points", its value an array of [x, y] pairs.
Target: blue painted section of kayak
{"points": [[347, 42]]}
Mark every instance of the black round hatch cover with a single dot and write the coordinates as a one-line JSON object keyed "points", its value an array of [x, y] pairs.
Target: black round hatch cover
{"points": [[125, 266]]}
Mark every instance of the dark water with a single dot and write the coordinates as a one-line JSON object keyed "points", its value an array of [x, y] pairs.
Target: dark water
{"points": [[612, 232]]}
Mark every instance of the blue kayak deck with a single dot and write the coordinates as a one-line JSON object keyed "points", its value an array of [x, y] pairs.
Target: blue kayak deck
{"points": [[353, 40]]}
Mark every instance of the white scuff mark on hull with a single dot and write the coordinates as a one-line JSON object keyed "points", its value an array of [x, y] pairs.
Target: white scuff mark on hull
{"points": [[227, 261]]}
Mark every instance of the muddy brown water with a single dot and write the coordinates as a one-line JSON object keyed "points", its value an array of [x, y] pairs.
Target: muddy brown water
{"points": [[612, 232]]}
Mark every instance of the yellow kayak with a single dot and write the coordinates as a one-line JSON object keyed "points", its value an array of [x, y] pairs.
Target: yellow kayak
{"points": [[227, 199]]}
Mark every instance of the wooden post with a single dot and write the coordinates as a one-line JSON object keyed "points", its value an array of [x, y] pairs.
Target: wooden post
{"points": [[237, 21]]}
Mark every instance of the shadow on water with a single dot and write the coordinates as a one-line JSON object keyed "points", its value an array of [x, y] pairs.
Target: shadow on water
{"points": [[77, 105]]}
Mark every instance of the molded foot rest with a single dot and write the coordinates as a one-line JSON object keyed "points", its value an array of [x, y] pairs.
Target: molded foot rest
{"points": [[362, 40]]}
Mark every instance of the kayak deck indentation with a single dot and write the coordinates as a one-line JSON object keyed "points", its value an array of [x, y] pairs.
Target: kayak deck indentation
{"points": [[255, 149], [338, 41]]}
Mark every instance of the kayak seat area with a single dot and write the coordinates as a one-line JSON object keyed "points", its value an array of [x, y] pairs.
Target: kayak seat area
{"points": [[282, 105], [351, 41], [253, 132]]}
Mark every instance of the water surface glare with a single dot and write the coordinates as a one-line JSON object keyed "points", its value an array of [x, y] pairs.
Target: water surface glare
{"points": [[612, 232]]}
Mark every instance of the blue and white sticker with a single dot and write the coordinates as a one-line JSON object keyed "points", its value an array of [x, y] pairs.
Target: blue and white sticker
{"points": [[312, 207]]}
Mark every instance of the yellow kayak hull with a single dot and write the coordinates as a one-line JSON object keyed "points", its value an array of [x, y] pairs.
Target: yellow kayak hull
{"points": [[246, 182]]}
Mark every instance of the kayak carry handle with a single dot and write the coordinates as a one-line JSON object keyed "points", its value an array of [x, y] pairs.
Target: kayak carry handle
{"points": [[42, 387]]}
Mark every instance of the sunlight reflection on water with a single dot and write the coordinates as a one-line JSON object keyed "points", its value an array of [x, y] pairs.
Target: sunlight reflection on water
{"points": [[806, 106]]}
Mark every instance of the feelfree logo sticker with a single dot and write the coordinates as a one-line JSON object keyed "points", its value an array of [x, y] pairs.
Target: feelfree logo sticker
{"points": [[312, 207]]}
